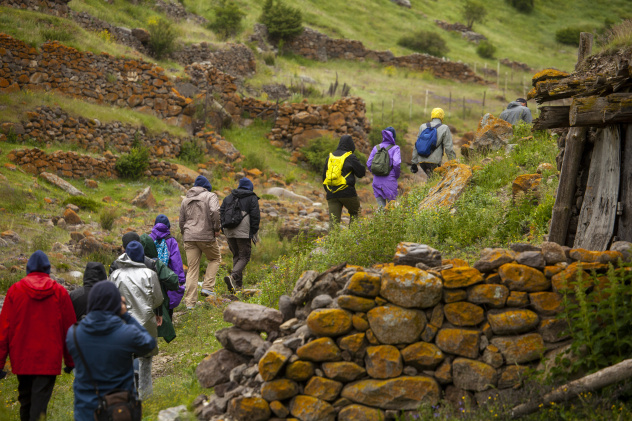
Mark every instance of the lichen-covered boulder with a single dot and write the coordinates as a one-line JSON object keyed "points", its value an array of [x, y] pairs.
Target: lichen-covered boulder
{"points": [[273, 361], [299, 371], [253, 317], [410, 287], [383, 362], [249, 409], [422, 355], [413, 253], [445, 194], [329, 322], [459, 342], [354, 303], [493, 295], [492, 134], [343, 371], [401, 393], [319, 350], [511, 322], [357, 412], [512, 376], [309, 408], [523, 278], [322, 388], [360, 322], [364, 284], [525, 183], [216, 368], [546, 303], [464, 313], [461, 277], [492, 259], [473, 375], [396, 325], [353, 343], [589, 256], [278, 390], [520, 349]]}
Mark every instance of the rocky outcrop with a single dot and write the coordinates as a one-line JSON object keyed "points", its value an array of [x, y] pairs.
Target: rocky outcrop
{"points": [[455, 178], [367, 343], [462, 29], [492, 134]]}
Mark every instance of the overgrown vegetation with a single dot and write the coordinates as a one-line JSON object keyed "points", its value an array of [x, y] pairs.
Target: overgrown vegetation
{"points": [[486, 49], [227, 19], [12, 199], [134, 164], [473, 12], [524, 6], [428, 42], [317, 151], [569, 35], [107, 218], [192, 151], [162, 37], [283, 22], [83, 203], [617, 36]]}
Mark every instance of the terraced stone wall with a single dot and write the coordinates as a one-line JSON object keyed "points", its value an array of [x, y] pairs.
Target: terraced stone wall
{"points": [[53, 7], [369, 343]]}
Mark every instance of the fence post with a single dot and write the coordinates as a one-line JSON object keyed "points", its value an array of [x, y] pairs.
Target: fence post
{"points": [[426, 104], [484, 93], [463, 108], [498, 75]]}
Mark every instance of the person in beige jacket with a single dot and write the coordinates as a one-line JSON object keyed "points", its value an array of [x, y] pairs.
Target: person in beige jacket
{"points": [[200, 225]]}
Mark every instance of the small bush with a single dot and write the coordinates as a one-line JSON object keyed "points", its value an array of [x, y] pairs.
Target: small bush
{"points": [[162, 37], [283, 22], [486, 49], [569, 35], [269, 58], [56, 34], [107, 218], [425, 42], [192, 151], [317, 152], [227, 20], [41, 242], [523, 6], [83, 203], [254, 160], [134, 164]]}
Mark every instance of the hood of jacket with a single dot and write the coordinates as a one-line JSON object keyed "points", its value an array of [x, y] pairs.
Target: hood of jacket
{"points": [[105, 296], [95, 272], [38, 262], [241, 193], [101, 323], [162, 218], [196, 191], [387, 137], [123, 261], [203, 182], [514, 104], [246, 184], [39, 285], [159, 231], [129, 237], [346, 144], [149, 246]]}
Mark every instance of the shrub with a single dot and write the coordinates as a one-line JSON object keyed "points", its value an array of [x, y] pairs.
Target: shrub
{"points": [[41, 242], [317, 151], [486, 49], [191, 151], [107, 217], [473, 12], [283, 22], [134, 164], [569, 35], [12, 199], [56, 34], [83, 203], [269, 58], [162, 37], [425, 42], [227, 20], [524, 6], [254, 160]]}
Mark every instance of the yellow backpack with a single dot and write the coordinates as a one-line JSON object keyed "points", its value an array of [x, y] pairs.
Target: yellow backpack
{"points": [[334, 175]]}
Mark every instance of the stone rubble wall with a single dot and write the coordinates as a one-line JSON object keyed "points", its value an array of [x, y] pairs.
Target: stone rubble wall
{"points": [[462, 29], [368, 343], [118, 34], [234, 59], [52, 7], [317, 46]]}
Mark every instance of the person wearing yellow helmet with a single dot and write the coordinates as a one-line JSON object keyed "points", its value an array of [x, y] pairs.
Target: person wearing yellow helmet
{"points": [[434, 138]]}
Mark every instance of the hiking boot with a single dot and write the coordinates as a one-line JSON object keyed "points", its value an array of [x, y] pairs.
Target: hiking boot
{"points": [[229, 284], [206, 292]]}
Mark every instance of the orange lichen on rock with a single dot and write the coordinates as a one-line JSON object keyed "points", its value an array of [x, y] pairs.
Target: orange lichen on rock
{"points": [[525, 183], [449, 188], [548, 74]]}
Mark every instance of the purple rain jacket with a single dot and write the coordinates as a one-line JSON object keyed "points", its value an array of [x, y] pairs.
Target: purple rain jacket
{"points": [[386, 186], [160, 231]]}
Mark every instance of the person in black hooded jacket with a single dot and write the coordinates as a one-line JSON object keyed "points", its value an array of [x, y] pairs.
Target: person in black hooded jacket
{"points": [[95, 272], [344, 194]]}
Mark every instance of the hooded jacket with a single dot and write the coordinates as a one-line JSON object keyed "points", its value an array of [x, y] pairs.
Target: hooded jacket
{"points": [[161, 232], [444, 143], [249, 204], [515, 112], [108, 343], [386, 186], [141, 289], [351, 166], [95, 272], [36, 314], [199, 215]]}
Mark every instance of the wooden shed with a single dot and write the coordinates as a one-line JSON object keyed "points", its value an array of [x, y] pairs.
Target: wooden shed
{"points": [[593, 206]]}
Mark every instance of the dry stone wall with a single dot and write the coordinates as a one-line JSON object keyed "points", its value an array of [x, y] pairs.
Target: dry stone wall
{"points": [[317, 46], [235, 59], [53, 7], [368, 343]]}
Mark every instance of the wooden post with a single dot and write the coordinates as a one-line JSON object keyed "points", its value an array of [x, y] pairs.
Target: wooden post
{"points": [[382, 112], [426, 104], [484, 93], [585, 47], [463, 108], [450, 102], [575, 141], [392, 110], [498, 75], [624, 223], [410, 110], [505, 90]]}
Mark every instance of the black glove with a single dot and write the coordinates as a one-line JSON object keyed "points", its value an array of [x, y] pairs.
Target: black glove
{"points": [[3, 374], [68, 370], [414, 169]]}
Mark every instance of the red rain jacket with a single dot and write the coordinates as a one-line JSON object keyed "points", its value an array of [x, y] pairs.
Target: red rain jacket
{"points": [[35, 317]]}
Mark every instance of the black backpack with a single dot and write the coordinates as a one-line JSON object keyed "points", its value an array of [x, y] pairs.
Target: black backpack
{"points": [[233, 214]]}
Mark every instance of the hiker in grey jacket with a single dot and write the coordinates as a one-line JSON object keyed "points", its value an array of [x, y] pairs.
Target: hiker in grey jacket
{"points": [[444, 143], [200, 226], [142, 293], [516, 111]]}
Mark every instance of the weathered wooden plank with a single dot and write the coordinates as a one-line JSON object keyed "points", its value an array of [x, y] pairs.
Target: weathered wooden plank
{"points": [[551, 90], [601, 111], [552, 117], [596, 219], [575, 141], [624, 223], [585, 47]]}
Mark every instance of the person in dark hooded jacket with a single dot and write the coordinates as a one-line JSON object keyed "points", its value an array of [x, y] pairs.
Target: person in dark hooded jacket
{"points": [[239, 237], [95, 272], [108, 338], [339, 183], [35, 316]]}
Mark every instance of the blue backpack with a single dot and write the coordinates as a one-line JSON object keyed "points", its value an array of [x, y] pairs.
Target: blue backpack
{"points": [[163, 250], [427, 141]]}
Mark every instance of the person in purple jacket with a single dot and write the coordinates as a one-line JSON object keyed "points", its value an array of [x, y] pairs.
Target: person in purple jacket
{"points": [[385, 187], [169, 253]]}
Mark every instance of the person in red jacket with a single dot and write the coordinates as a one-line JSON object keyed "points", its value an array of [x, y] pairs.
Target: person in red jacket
{"points": [[35, 317]]}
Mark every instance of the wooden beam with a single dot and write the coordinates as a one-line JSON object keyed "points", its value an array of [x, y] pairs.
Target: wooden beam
{"points": [[552, 117], [596, 219], [575, 141], [550, 90], [590, 383], [585, 47], [601, 111], [624, 223]]}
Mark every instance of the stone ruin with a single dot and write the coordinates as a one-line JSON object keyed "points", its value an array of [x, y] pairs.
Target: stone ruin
{"points": [[356, 343]]}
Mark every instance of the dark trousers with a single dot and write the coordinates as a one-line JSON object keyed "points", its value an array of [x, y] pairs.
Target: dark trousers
{"points": [[335, 208], [241, 248], [428, 168], [34, 392]]}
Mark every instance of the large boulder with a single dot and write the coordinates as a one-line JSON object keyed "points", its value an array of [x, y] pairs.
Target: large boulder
{"points": [[401, 393], [520, 349], [413, 253], [319, 350], [253, 317], [396, 325], [473, 375], [459, 342], [422, 355], [145, 199], [453, 183], [240, 341], [511, 322], [329, 322], [409, 287], [364, 284], [215, 369], [383, 362], [309, 408], [62, 184], [492, 133], [273, 361], [249, 409]]}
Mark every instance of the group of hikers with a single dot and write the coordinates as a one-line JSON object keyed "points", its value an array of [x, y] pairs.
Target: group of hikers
{"points": [[107, 329]]}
